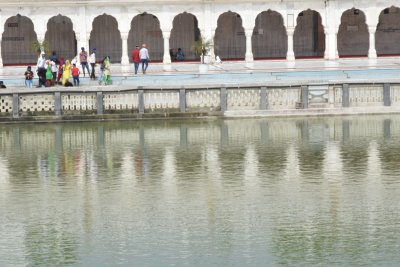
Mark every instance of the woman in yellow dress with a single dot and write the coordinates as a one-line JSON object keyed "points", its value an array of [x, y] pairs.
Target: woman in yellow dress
{"points": [[66, 72]]}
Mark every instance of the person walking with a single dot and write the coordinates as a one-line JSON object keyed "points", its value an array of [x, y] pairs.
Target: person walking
{"points": [[83, 57], [136, 58], [92, 61], [28, 77], [144, 57]]}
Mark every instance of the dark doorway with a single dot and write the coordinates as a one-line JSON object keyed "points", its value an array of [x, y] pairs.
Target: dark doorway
{"points": [[61, 37], [309, 36], [184, 33], [387, 34], [230, 39], [353, 36], [17, 45], [145, 28], [269, 36], [106, 38]]}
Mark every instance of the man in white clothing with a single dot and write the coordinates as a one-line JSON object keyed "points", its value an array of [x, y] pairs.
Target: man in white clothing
{"points": [[144, 58], [92, 61]]}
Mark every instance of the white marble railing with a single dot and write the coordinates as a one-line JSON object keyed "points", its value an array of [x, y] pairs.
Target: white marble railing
{"points": [[26, 103]]}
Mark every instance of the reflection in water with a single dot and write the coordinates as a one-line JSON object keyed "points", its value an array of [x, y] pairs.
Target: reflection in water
{"points": [[254, 192]]}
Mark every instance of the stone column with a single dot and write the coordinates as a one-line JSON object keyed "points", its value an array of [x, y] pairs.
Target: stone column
{"points": [[124, 58], [372, 50], [167, 57], [331, 52], [290, 52], [249, 47], [40, 38]]}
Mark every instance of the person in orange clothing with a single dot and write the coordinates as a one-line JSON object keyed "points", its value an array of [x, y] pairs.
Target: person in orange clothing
{"points": [[75, 74]]}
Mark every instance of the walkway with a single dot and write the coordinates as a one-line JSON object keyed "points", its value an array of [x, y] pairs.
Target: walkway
{"points": [[267, 72]]}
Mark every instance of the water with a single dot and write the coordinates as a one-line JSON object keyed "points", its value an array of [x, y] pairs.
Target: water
{"points": [[254, 192]]}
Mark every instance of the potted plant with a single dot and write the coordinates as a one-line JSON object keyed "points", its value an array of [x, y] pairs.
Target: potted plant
{"points": [[202, 47]]}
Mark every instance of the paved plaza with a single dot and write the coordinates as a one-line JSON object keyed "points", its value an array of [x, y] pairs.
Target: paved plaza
{"points": [[266, 72]]}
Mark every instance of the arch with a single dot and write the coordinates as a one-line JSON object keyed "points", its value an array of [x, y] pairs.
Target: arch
{"points": [[184, 33], [353, 36], [17, 39], [61, 36], [309, 35], [145, 28], [106, 38], [269, 36], [387, 34], [230, 39]]}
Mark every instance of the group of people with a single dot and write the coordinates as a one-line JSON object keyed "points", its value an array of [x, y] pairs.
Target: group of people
{"points": [[141, 56], [59, 71]]}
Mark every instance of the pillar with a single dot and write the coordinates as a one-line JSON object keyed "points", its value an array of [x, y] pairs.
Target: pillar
{"points": [[125, 57], [290, 52], [40, 38], [372, 50], [331, 52], [249, 47], [167, 57]]}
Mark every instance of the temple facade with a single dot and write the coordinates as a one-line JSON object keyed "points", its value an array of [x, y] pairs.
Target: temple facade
{"points": [[240, 30]]}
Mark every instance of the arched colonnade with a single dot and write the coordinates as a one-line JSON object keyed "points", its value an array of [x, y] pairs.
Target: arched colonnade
{"points": [[268, 35]]}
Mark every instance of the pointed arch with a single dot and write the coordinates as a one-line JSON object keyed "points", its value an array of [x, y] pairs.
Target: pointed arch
{"points": [[145, 28], [230, 39], [309, 35], [106, 38], [185, 31], [353, 36], [61, 36], [17, 39], [387, 34], [269, 36]]}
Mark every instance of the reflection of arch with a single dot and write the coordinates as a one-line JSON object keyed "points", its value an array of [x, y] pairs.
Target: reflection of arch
{"points": [[387, 34], [184, 33], [17, 39], [309, 36], [230, 40], [269, 36], [145, 28], [353, 36], [61, 36], [106, 38]]}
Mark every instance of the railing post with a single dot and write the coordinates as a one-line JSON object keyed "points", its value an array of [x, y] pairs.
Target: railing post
{"points": [[386, 95], [304, 96], [141, 101], [345, 95], [223, 96], [57, 104], [263, 98], [99, 103], [15, 106], [182, 100]]}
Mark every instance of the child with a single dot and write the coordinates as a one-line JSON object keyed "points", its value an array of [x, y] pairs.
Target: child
{"points": [[49, 76], [75, 75], [28, 77]]}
